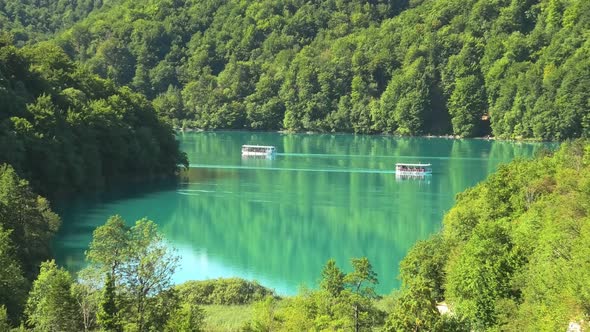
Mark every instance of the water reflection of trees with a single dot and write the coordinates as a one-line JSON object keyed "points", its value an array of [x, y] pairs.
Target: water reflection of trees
{"points": [[284, 222]]}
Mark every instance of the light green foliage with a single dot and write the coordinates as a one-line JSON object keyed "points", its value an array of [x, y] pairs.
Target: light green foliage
{"points": [[414, 309], [31, 21], [4, 323], [188, 318], [467, 105], [226, 318], [265, 317], [232, 291], [87, 298], [109, 246], [140, 265], [510, 254], [332, 279], [359, 294], [422, 275], [51, 306], [344, 302]]}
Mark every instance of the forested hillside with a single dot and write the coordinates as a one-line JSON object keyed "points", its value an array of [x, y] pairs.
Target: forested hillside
{"points": [[34, 20], [65, 129], [401, 67], [513, 253]]}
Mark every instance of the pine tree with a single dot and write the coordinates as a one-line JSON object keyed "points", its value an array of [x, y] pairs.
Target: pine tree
{"points": [[108, 312]]}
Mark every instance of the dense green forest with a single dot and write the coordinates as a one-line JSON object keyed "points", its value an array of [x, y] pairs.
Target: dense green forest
{"points": [[513, 252], [387, 66], [34, 20], [65, 129]]}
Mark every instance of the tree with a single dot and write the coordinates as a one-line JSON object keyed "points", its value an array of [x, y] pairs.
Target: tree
{"points": [[86, 294], [466, 105], [51, 306], [332, 279], [13, 284], [4, 322], [265, 316], [188, 318], [141, 265], [361, 293], [414, 309], [28, 216], [108, 311], [149, 267], [109, 247]]}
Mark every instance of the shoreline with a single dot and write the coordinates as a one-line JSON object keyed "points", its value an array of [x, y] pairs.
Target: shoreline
{"points": [[448, 136]]}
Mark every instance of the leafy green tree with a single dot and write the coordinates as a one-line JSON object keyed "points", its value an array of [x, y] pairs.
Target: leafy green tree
{"points": [[86, 291], [4, 322], [141, 266], [13, 284], [467, 105], [188, 318], [108, 312], [414, 309], [360, 283], [29, 219], [148, 269], [265, 317], [332, 279], [109, 247], [51, 306], [400, 67]]}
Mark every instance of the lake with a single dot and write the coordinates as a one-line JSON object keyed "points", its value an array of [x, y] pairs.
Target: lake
{"points": [[278, 221]]}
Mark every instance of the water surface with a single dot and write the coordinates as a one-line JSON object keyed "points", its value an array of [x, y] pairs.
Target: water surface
{"points": [[278, 221]]}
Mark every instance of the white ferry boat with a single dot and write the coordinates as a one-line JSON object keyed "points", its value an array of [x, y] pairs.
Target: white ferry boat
{"points": [[413, 169], [258, 151]]}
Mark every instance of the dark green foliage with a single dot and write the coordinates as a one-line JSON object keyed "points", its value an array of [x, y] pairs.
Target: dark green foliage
{"points": [[28, 218], [108, 313], [13, 284], [232, 291], [27, 226], [57, 118]]}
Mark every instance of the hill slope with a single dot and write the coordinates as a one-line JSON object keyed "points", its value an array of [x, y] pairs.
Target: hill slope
{"points": [[67, 130], [403, 67], [34, 20], [513, 253]]}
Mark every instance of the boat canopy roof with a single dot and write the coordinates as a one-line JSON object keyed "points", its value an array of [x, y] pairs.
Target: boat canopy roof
{"points": [[258, 146], [413, 165]]}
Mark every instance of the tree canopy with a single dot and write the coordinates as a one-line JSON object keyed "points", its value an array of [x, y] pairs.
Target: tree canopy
{"points": [[512, 255], [67, 130], [388, 66]]}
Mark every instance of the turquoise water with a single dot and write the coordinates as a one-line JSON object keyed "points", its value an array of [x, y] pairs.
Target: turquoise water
{"points": [[278, 221]]}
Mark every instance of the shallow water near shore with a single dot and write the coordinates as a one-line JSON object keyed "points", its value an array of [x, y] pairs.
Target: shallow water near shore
{"points": [[278, 221]]}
